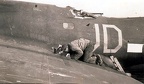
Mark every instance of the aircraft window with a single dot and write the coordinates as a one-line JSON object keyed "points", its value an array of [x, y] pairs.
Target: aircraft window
{"points": [[68, 25], [134, 48]]}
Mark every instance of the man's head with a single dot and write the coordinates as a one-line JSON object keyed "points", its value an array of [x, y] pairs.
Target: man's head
{"points": [[61, 49], [57, 50], [64, 50]]}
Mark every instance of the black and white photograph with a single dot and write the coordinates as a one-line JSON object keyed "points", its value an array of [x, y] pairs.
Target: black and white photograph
{"points": [[71, 41]]}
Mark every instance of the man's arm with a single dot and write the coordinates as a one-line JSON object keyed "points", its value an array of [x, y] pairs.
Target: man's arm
{"points": [[77, 52]]}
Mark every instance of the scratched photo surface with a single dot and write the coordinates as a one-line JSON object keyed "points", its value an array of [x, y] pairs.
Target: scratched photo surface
{"points": [[32, 32]]}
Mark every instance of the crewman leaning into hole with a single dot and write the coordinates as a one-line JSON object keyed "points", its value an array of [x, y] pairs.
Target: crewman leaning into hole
{"points": [[80, 48]]}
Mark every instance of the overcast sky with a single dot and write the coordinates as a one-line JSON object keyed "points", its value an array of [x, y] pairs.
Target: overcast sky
{"points": [[110, 8]]}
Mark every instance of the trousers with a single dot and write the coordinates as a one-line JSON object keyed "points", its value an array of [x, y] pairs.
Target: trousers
{"points": [[88, 52]]}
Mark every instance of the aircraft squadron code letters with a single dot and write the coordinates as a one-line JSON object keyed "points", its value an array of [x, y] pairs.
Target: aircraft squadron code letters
{"points": [[105, 34], [105, 27]]}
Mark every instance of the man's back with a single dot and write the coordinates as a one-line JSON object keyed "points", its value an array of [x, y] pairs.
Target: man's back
{"points": [[80, 43]]}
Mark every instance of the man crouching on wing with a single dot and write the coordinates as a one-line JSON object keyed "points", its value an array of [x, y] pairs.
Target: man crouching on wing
{"points": [[80, 47]]}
